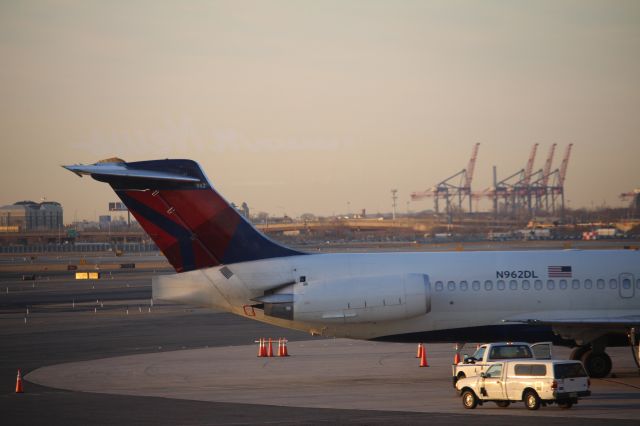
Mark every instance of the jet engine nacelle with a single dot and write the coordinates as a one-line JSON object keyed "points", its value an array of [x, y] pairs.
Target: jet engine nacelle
{"points": [[352, 299]]}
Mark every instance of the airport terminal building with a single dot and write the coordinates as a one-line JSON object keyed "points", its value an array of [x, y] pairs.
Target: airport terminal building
{"points": [[25, 216]]}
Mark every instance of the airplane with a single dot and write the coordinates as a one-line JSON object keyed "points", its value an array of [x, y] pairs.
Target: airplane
{"points": [[589, 300]]}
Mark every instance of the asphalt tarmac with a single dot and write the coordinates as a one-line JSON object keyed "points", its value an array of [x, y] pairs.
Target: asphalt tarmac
{"points": [[72, 321]]}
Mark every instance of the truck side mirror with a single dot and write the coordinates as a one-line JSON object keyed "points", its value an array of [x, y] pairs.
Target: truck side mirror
{"points": [[483, 375]]}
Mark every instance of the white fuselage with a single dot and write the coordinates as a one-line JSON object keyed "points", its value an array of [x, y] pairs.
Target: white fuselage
{"points": [[374, 295]]}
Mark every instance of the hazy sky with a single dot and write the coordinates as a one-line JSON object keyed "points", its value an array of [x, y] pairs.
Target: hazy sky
{"points": [[318, 106]]}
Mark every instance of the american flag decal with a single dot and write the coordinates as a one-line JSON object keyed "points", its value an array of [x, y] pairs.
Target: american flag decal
{"points": [[559, 271]]}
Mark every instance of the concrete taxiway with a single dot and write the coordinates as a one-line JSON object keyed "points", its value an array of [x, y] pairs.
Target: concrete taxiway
{"points": [[337, 373]]}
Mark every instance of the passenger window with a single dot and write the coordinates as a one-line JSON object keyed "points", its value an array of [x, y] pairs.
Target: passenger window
{"points": [[513, 285], [551, 285], [538, 370], [495, 371], [600, 284], [475, 285], [522, 369], [439, 286], [588, 284], [464, 286], [530, 370], [563, 285], [613, 283], [488, 285], [526, 285], [451, 286], [500, 285], [626, 283], [537, 284], [575, 284]]}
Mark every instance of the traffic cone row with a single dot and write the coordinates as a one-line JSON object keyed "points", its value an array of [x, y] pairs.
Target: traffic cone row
{"points": [[265, 348], [19, 383]]}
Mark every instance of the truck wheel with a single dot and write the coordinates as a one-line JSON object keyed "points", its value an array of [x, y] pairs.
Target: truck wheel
{"points": [[597, 364], [565, 405], [503, 404], [469, 399], [531, 400]]}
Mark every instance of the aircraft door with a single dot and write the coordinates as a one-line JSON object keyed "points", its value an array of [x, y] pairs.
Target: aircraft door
{"points": [[626, 286]]}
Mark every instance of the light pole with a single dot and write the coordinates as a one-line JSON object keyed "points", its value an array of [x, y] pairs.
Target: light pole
{"points": [[394, 197]]}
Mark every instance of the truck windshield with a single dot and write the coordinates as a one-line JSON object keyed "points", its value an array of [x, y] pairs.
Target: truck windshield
{"points": [[510, 352], [479, 353], [569, 370]]}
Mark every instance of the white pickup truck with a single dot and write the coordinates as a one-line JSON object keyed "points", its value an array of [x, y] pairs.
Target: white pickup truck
{"points": [[532, 381], [488, 354]]}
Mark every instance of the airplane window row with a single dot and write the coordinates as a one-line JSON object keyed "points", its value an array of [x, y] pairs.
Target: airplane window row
{"points": [[562, 284]]}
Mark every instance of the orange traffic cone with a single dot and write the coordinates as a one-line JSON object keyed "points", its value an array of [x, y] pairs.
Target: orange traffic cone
{"points": [[456, 358], [285, 352], [419, 354], [19, 383], [262, 350], [423, 358], [270, 349]]}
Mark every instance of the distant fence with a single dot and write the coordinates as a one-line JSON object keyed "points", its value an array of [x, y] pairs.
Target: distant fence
{"points": [[80, 247]]}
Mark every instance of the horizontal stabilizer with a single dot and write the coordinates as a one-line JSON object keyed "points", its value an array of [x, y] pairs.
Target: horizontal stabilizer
{"points": [[123, 170]]}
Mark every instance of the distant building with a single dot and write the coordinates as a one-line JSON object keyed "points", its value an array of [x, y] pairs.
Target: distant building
{"points": [[105, 222], [31, 216]]}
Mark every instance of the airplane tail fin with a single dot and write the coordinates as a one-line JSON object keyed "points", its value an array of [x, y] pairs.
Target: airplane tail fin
{"points": [[187, 219]]}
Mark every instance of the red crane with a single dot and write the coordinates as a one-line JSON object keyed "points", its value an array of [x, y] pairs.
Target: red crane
{"points": [[529, 168], [547, 166]]}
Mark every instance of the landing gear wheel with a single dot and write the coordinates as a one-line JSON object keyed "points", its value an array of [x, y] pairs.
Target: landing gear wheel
{"points": [[503, 404], [565, 405], [597, 364], [531, 400], [469, 399], [578, 352]]}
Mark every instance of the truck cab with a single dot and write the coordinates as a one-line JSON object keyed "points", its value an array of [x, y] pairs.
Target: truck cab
{"points": [[536, 382]]}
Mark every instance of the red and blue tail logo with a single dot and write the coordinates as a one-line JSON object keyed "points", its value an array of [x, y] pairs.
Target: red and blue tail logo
{"points": [[187, 219]]}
